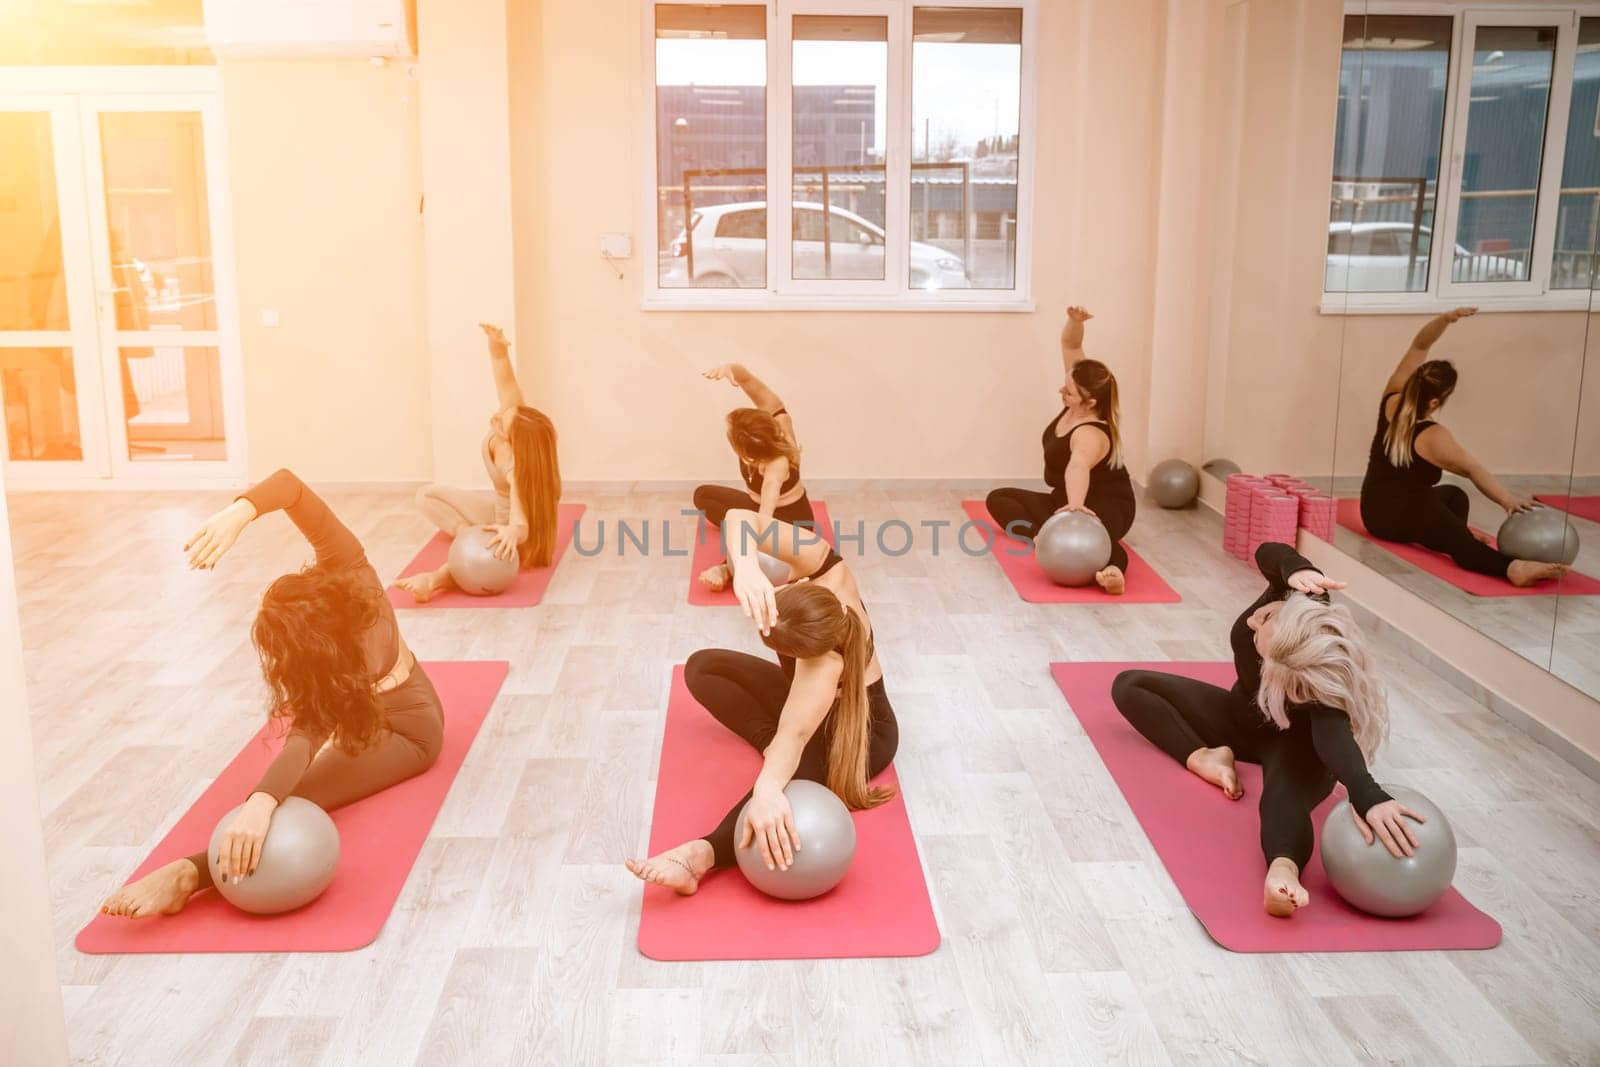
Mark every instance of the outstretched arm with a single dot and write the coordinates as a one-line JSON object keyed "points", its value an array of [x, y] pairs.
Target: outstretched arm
{"points": [[336, 547], [1420, 344], [769, 821], [1439, 446], [746, 534], [506, 388], [1072, 337], [738, 375]]}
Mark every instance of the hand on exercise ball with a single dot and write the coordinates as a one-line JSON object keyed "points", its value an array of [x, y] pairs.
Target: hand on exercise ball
{"points": [[1517, 504], [503, 540], [1078, 508], [1387, 821], [1313, 583], [217, 534], [769, 821], [240, 851]]}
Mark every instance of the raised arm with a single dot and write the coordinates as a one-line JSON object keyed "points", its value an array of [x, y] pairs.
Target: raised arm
{"points": [[1439, 446], [1072, 337], [747, 533], [738, 375], [1420, 345], [335, 546], [1278, 563], [507, 391]]}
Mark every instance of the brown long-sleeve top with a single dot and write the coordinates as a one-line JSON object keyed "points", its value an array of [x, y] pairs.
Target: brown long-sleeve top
{"points": [[336, 548]]}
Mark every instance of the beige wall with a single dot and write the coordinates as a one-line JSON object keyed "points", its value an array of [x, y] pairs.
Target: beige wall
{"points": [[324, 167], [1294, 380], [874, 394], [32, 1023]]}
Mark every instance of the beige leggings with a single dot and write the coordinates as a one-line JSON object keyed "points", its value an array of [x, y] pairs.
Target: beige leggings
{"points": [[450, 508]]}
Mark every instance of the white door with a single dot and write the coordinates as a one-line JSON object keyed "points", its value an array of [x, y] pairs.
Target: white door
{"points": [[118, 339]]}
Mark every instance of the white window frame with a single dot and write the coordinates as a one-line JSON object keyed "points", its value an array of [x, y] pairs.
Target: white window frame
{"points": [[1443, 291], [782, 293]]}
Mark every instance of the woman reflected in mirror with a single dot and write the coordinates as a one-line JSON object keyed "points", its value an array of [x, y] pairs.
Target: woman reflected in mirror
{"points": [[1401, 499]]}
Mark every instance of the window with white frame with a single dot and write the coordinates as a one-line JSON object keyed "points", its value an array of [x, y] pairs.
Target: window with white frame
{"points": [[1477, 126], [897, 128]]}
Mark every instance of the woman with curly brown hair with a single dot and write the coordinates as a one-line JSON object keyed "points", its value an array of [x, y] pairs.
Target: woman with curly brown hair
{"points": [[763, 439], [362, 714]]}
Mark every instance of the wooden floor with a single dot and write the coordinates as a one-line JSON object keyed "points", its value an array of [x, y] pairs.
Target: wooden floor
{"points": [[514, 941]]}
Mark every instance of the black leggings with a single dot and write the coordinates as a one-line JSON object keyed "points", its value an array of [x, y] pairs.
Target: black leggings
{"points": [[715, 501], [1436, 519], [1179, 715], [746, 694], [1022, 511]]}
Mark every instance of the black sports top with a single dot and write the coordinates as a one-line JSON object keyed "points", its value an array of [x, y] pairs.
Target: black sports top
{"points": [[1329, 727], [751, 473], [1384, 476], [1106, 482]]}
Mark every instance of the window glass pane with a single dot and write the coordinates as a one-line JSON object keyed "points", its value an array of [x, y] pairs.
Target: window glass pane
{"points": [[841, 77], [1511, 68], [160, 225], [1578, 221], [33, 293], [119, 32], [172, 403], [1387, 141], [40, 394], [711, 145], [966, 92]]}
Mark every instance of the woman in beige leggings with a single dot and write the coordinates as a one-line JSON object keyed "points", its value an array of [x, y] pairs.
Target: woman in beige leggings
{"points": [[519, 454]]}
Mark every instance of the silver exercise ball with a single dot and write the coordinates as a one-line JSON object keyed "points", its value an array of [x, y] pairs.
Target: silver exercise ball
{"points": [[1543, 534], [1174, 483], [1369, 878], [777, 571], [298, 860], [827, 845], [1072, 547], [1221, 468], [475, 568]]}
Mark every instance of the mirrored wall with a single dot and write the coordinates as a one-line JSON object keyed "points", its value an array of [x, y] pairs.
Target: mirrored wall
{"points": [[1409, 203]]}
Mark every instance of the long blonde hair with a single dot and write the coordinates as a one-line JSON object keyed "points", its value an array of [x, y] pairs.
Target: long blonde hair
{"points": [[1317, 655], [813, 622], [1100, 385], [1430, 384], [537, 470]]}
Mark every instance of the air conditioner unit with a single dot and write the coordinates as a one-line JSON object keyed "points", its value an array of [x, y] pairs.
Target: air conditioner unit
{"points": [[289, 29]]}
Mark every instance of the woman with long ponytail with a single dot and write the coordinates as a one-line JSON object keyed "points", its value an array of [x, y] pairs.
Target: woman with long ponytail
{"points": [[1401, 499], [519, 455], [1082, 459], [820, 713], [1306, 706]]}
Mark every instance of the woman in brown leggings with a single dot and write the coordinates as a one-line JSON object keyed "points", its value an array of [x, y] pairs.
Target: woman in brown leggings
{"points": [[364, 714]]}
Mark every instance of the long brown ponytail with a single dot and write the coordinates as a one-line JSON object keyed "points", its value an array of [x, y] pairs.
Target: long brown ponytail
{"points": [[1432, 382], [537, 470], [1097, 382], [813, 622]]}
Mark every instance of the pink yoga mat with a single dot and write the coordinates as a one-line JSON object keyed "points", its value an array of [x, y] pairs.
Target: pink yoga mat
{"points": [[1584, 507], [1211, 845], [526, 591], [880, 909], [708, 552], [379, 839], [1015, 557], [1444, 568]]}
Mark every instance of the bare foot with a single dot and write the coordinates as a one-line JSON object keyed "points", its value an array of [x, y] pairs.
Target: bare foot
{"points": [[1283, 893], [716, 578], [1111, 580], [1525, 572], [424, 587], [679, 869], [164, 891], [1215, 765]]}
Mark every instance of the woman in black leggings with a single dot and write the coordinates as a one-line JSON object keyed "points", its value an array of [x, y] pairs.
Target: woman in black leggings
{"points": [[1305, 706], [1401, 499], [763, 439], [820, 713], [1082, 459]]}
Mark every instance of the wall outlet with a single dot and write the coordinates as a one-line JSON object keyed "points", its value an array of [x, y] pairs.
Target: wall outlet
{"points": [[616, 245]]}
